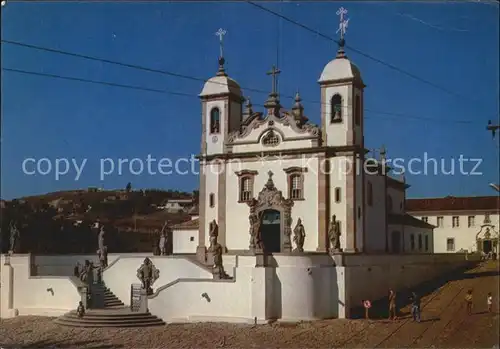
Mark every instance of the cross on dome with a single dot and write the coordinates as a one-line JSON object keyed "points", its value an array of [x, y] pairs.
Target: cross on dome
{"points": [[220, 33]]}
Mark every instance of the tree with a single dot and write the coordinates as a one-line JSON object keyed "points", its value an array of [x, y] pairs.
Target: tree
{"points": [[128, 188]]}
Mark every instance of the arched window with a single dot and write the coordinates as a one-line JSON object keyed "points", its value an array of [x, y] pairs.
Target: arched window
{"points": [[389, 203], [420, 242], [337, 195], [357, 111], [336, 108], [412, 242], [369, 194], [215, 120], [271, 139]]}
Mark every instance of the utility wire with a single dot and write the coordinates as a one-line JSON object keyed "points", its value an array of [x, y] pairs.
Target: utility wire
{"points": [[135, 87], [391, 66], [165, 72]]}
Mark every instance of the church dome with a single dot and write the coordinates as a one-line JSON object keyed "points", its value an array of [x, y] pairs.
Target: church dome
{"points": [[340, 68], [220, 84]]}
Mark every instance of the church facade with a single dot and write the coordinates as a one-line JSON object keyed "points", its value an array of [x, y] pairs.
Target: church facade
{"points": [[263, 171]]}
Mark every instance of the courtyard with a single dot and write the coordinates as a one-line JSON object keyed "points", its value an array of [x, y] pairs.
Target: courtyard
{"points": [[444, 325]]}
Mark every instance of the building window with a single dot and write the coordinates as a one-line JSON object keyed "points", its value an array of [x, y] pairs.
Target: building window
{"points": [[211, 200], [359, 212], [191, 238], [296, 182], [412, 242], [246, 189], [369, 198], [337, 195], [440, 222], [357, 111], [389, 203], [336, 108], [450, 244], [455, 222], [420, 242], [427, 243], [471, 221], [487, 219], [425, 219], [215, 120], [246, 184], [271, 139]]}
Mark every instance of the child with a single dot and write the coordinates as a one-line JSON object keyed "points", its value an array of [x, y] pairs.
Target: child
{"points": [[80, 311], [489, 300], [468, 301]]}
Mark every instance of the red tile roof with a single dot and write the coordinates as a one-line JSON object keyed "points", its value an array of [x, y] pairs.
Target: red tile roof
{"points": [[408, 220], [450, 203], [188, 225]]}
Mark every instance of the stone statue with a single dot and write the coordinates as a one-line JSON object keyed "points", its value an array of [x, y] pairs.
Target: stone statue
{"points": [[14, 237], [255, 237], [162, 244], [148, 274], [103, 257], [218, 268], [214, 234], [334, 235], [100, 241], [87, 273], [299, 235]]}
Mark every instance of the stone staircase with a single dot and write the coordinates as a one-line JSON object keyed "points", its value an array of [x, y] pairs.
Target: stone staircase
{"points": [[108, 311]]}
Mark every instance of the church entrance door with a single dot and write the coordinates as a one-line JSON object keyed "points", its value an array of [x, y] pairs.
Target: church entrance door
{"points": [[487, 246], [270, 231]]}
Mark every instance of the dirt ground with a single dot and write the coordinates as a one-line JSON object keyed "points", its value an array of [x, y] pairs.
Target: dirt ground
{"points": [[445, 324]]}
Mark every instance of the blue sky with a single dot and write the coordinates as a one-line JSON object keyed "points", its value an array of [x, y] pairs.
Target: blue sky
{"points": [[453, 45]]}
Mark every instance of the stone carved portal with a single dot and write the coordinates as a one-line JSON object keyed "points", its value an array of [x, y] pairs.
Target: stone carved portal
{"points": [[487, 239], [271, 199]]}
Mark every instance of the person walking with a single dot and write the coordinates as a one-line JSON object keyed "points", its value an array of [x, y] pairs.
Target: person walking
{"points": [[415, 306], [489, 301], [392, 305], [468, 302]]}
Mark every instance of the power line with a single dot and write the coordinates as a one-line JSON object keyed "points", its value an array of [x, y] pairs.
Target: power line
{"points": [[147, 89], [389, 65], [165, 72]]}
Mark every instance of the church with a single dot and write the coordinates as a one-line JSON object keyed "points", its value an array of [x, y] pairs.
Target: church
{"points": [[267, 176]]}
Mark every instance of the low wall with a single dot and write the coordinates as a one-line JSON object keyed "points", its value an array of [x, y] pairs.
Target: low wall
{"points": [[122, 272], [23, 294], [290, 288], [371, 276]]}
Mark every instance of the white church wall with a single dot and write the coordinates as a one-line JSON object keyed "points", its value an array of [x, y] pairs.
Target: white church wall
{"points": [[375, 221], [397, 198], [23, 294], [360, 211], [184, 241], [337, 132], [216, 147], [123, 273], [212, 171], [337, 179], [235, 117], [418, 234], [287, 144], [358, 134], [237, 224]]}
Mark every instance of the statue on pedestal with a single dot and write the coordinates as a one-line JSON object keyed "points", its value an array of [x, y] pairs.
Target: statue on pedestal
{"points": [[299, 235], [218, 268], [148, 274], [214, 234], [334, 235], [14, 237]]}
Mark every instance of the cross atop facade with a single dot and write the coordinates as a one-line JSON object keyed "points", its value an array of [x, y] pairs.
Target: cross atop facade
{"points": [[274, 72], [270, 174], [343, 23], [220, 33]]}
